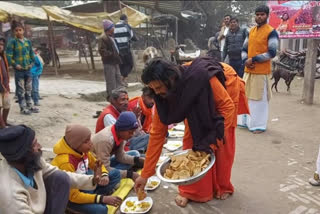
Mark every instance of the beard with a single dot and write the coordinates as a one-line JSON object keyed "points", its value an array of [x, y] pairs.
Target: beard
{"points": [[32, 162]]}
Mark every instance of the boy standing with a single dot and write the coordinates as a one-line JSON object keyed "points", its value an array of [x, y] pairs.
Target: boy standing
{"points": [[4, 86], [73, 155], [36, 71], [21, 57]]}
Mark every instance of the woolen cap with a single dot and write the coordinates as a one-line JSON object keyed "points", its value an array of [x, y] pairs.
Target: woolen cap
{"points": [[16, 141], [126, 121], [107, 24], [76, 134]]}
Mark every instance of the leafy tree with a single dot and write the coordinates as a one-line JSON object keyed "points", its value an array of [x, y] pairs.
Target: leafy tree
{"points": [[214, 12]]}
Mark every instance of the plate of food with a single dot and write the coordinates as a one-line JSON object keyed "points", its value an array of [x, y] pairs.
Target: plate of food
{"points": [[153, 183], [179, 127], [133, 205], [173, 145], [185, 167], [176, 134]]}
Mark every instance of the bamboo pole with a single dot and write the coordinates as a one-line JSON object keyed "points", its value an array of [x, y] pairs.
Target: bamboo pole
{"points": [[51, 45], [310, 70], [90, 50], [120, 6]]}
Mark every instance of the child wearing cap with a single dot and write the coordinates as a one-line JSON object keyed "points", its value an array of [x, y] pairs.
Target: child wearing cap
{"points": [[73, 155]]}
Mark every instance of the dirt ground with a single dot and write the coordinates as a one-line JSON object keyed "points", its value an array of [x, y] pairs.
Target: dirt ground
{"points": [[270, 171]]}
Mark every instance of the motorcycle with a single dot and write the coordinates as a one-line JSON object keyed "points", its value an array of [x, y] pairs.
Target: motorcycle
{"points": [[179, 56], [46, 55]]}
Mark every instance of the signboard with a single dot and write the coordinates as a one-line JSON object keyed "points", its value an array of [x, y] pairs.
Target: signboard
{"points": [[295, 19]]}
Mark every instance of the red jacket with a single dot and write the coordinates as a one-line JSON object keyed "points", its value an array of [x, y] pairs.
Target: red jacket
{"points": [[110, 109]]}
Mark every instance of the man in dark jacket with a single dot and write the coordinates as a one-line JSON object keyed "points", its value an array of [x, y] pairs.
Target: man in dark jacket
{"points": [[109, 52], [233, 46]]}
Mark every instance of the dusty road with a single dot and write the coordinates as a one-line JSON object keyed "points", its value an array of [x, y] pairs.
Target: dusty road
{"points": [[270, 171]]}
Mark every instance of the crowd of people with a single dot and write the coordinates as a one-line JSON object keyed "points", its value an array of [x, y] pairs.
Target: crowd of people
{"points": [[211, 95]]}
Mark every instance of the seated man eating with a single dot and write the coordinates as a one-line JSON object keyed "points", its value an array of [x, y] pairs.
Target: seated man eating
{"points": [[109, 146]]}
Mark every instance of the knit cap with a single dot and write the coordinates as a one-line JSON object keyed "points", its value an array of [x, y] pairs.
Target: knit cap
{"points": [[126, 121], [107, 24], [76, 134], [16, 141]]}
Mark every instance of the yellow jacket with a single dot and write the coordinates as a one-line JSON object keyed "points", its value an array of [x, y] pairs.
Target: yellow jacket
{"points": [[69, 160]]}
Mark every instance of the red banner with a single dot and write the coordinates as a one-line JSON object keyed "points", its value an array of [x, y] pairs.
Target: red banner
{"points": [[281, 2], [295, 19]]}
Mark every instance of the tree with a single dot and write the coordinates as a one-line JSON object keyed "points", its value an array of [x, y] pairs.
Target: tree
{"points": [[214, 11]]}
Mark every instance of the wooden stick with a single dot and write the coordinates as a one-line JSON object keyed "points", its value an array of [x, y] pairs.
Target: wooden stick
{"points": [[51, 44], [90, 50]]}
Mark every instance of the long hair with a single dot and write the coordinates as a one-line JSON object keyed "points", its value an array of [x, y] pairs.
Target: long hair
{"points": [[162, 70]]}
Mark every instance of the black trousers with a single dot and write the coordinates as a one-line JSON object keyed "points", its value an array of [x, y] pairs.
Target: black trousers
{"points": [[127, 64]]}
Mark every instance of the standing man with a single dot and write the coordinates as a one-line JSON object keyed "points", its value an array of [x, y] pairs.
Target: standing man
{"points": [[21, 57], [4, 86], [109, 53], [124, 35], [223, 32], [233, 46], [258, 50]]}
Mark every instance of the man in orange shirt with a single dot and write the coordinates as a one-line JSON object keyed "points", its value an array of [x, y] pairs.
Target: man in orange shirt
{"points": [[146, 103], [197, 95], [258, 50]]}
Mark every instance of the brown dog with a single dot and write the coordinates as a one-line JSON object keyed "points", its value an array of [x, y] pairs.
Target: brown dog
{"points": [[286, 75]]}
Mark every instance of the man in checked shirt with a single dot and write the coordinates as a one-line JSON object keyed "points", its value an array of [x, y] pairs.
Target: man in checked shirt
{"points": [[21, 57]]}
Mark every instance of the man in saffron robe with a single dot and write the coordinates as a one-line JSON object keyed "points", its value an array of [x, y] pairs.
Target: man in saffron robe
{"points": [[197, 93]]}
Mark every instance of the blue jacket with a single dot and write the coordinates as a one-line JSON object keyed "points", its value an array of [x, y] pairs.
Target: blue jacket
{"points": [[37, 68]]}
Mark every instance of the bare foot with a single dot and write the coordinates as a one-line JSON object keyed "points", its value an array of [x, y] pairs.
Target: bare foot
{"points": [[257, 132], [224, 196], [181, 201]]}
